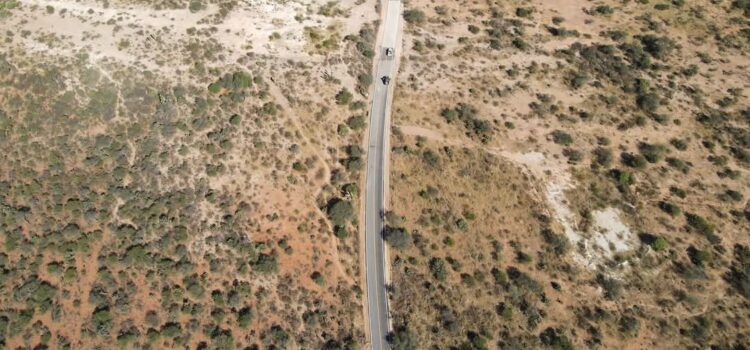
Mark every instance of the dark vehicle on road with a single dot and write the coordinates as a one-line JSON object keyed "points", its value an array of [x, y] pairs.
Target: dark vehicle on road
{"points": [[386, 79]]}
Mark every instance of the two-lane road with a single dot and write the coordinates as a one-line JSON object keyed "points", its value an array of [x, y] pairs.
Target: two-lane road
{"points": [[377, 298]]}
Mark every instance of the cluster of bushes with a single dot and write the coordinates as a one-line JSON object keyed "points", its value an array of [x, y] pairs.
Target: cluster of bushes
{"points": [[133, 199], [467, 114]]}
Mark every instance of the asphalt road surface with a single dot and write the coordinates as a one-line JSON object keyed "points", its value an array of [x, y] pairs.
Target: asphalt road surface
{"points": [[377, 298]]}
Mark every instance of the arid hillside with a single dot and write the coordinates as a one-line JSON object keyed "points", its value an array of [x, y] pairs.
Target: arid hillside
{"points": [[572, 174], [181, 174]]}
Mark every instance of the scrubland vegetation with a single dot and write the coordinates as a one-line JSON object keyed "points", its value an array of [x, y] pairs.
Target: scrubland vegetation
{"points": [[167, 194], [571, 174]]}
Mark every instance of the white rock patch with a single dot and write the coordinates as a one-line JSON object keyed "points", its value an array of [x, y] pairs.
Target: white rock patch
{"points": [[608, 236]]}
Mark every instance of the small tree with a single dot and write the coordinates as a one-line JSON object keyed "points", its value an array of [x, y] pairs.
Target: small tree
{"points": [[340, 212]]}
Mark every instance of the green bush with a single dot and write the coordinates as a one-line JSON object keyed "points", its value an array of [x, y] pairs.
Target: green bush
{"points": [[702, 226], [633, 160], [648, 102], [524, 12], [437, 268], [669, 208], [397, 237], [365, 80], [657, 46], [562, 138], [659, 244], [414, 16], [699, 257], [603, 156], [344, 97], [652, 152], [356, 122], [340, 212], [603, 10], [739, 273], [266, 263], [402, 339], [318, 278], [555, 339]]}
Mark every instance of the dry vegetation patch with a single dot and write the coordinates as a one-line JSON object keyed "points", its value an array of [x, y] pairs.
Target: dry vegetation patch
{"points": [[629, 120]]}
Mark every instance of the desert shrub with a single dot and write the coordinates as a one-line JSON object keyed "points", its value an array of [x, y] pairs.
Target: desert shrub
{"points": [[462, 224], [678, 164], [477, 341], [670, 208], [659, 244], [500, 276], [524, 12], [398, 238], [633, 160], [414, 16], [678, 192], [561, 138], [612, 287], [431, 158], [743, 5], [344, 97], [603, 10], [196, 6], [522, 280], [437, 268], [728, 172], [341, 232], [702, 226], [429, 192], [365, 80], [629, 325], [556, 339], [356, 122], [520, 44], [731, 195], [615, 35], [102, 321], [573, 155], [467, 114], [603, 156], [648, 102], [318, 278], [468, 280], [699, 257], [578, 79], [523, 257], [679, 144], [340, 211], [604, 62], [393, 219], [266, 263], [557, 243], [738, 275], [623, 178], [657, 46], [652, 152], [562, 32], [402, 338], [214, 87]]}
